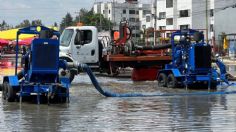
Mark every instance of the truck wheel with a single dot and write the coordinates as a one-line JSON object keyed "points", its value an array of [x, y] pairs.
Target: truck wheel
{"points": [[9, 93], [162, 80], [171, 81]]}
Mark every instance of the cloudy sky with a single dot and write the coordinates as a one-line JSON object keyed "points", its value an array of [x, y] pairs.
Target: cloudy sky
{"points": [[49, 11]]}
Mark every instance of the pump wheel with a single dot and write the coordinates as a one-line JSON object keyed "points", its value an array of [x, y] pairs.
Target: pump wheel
{"points": [[171, 81], [162, 80], [1, 87], [8, 92]]}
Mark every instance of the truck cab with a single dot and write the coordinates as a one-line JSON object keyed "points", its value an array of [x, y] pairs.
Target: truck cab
{"points": [[80, 44]]}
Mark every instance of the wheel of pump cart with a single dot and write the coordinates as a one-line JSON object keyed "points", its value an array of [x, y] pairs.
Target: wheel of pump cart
{"points": [[171, 81], [8, 93], [1, 87], [162, 80], [3, 91], [72, 76]]}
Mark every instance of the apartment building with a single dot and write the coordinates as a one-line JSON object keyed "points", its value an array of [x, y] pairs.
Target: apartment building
{"points": [[130, 10], [213, 15]]}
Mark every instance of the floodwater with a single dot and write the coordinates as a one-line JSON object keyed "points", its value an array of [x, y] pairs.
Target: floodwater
{"points": [[90, 111]]}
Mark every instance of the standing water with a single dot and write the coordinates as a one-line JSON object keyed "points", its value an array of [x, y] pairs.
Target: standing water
{"points": [[89, 111]]}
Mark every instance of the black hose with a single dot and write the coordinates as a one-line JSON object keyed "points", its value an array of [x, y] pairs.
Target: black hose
{"points": [[158, 47]]}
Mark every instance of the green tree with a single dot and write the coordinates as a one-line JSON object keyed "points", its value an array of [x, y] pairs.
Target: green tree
{"points": [[88, 18], [3, 25], [25, 23], [36, 23], [66, 22]]}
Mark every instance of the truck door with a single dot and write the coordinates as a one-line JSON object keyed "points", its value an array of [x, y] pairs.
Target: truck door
{"points": [[86, 48]]}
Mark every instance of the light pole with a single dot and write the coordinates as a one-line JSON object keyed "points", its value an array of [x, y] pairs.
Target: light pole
{"points": [[207, 21], [78, 15], [155, 20]]}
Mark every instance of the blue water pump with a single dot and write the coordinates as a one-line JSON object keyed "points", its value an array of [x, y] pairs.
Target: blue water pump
{"points": [[39, 80], [191, 63]]}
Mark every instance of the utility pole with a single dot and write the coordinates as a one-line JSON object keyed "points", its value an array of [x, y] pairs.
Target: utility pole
{"points": [[113, 10], [207, 26], [77, 12], [155, 20]]}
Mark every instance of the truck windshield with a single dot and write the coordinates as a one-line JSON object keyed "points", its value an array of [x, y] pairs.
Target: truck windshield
{"points": [[66, 37]]}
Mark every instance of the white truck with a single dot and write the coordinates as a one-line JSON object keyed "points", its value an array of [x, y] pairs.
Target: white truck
{"points": [[81, 44]]}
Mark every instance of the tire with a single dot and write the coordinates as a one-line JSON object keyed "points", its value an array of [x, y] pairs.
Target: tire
{"points": [[9, 93], [1, 86], [72, 76], [3, 91], [171, 81], [162, 80]]}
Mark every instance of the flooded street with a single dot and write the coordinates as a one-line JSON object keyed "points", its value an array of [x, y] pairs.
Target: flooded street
{"points": [[90, 111]]}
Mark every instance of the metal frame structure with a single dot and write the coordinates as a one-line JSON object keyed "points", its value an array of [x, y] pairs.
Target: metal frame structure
{"points": [[40, 75]]}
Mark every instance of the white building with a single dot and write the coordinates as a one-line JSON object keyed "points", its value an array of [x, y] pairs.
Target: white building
{"points": [[224, 17], [131, 11], [181, 14]]}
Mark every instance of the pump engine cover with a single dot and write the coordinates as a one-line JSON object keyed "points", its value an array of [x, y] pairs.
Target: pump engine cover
{"points": [[203, 56], [45, 55]]}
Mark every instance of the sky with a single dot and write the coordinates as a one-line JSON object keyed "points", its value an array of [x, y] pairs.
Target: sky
{"points": [[49, 11]]}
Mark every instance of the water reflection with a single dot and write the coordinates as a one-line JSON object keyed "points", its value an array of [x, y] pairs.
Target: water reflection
{"points": [[88, 111]]}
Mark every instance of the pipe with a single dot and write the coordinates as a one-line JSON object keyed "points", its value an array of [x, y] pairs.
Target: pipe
{"points": [[158, 47], [105, 93]]}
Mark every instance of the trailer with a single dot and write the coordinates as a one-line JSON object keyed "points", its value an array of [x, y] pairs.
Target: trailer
{"points": [[39, 79]]}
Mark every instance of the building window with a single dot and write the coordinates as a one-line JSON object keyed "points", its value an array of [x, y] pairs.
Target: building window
{"points": [[131, 11], [169, 3], [132, 19], [162, 15], [184, 27], [103, 11], [137, 12], [162, 27], [124, 18], [145, 12], [109, 11], [137, 19], [169, 21], [212, 12], [124, 11], [184, 13], [212, 28], [148, 18]]}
